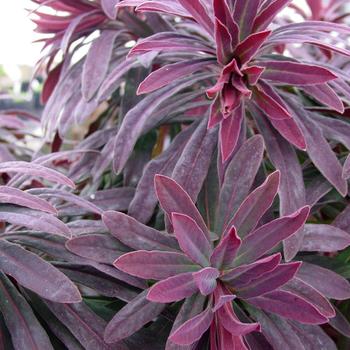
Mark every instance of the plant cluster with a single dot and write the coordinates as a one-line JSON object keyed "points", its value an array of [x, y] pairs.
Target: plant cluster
{"points": [[190, 191]]}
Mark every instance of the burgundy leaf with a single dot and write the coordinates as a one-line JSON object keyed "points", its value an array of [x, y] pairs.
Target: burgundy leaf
{"points": [[100, 248], [224, 47], [25, 329], [136, 235], [324, 238], [290, 306], [205, 280], [193, 329], [336, 287], [296, 73], [174, 288], [154, 264], [239, 178], [229, 132], [255, 205], [192, 240], [224, 253], [170, 73], [18, 197], [36, 274], [35, 170], [96, 63], [132, 317], [173, 199], [244, 14], [308, 293], [269, 281], [269, 235]]}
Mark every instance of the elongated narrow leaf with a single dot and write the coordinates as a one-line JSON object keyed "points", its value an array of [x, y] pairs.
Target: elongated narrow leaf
{"points": [[174, 288], [36, 170], [229, 132], [131, 318], [244, 14], [96, 63], [192, 167], [109, 7], [255, 205], [336, 287], [174, 199], [192, 240], [26, 331], [324, 238], [295, 73], [100, 248], [18, 197], [193, 329], [199, 13], [33, 219], [136, 235], [269, 281], [84, 324], [290, 306], [340, 323], [36, 274], [154, 264], [239, 179], [268, 236], [310, 294], [170, 73]]}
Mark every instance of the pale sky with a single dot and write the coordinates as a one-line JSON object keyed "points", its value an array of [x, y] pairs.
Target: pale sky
{"points": [[16, 34]]}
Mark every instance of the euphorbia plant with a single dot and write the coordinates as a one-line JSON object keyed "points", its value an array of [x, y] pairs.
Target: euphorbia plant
{"points": [[245, 135]]}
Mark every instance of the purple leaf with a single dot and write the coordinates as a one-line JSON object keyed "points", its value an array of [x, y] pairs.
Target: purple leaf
{"points": [[232, 324], [239, 179], [145, 200], [340, 323], [173, 199], [109, 8], [136, 235], [96, 62], [255, 205], [174, 288], [346, 168], [154, 264], [336, 287], [36, 170], [135, 120], [36, 274], [84, 324], [290, 306], [25, 329], [190, 308], [268, 14], [223, 41], [205, 280], [199, 13], [248, 48], [268, 236], [294, 73], [324, 238], [100, 248], [193, 329], [308, 293], [171, 72], [321, 152], [244, 14], [326, 95], [34, 219], [192, 166], [224, 253], [192, 240], [18, 197], [229, 132], [244, 274], [267, 100], [132, 317], [269, 281]]}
